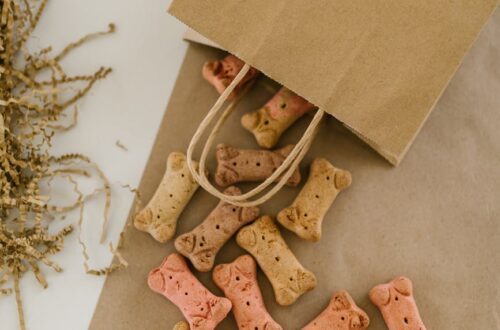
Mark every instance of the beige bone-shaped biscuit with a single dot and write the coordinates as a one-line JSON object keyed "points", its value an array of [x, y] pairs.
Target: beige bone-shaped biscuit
{"points": [[305, 216], [238, 280], [159, 217], [248, 165], [397, 304], [342, 313], [181, 325], [200, 307], [268, 123], [202, 243], [287, 276]]}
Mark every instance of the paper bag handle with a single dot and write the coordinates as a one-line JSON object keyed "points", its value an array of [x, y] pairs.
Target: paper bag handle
{"points": [[290, 164]]}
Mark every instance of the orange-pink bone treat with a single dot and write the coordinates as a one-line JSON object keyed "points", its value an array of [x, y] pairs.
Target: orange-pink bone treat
{"points": [[397, 305], [220, 74], [342, 313], [238, 280], [200, 307], [268, 123]]}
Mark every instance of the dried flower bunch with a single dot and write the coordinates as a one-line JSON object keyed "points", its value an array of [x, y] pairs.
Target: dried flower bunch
{"points": [[31, 112]]}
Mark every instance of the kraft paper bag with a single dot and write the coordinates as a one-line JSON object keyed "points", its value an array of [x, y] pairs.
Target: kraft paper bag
{"points": [[378, 66], [435, 218]]}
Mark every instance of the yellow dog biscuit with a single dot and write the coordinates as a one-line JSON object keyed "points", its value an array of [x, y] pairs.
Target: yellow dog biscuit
{"points": [[288, 277], [305, 216], [159, 217]]}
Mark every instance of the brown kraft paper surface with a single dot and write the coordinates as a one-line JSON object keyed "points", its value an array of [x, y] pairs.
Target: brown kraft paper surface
{"points": [[378, 66], [434, 219]]}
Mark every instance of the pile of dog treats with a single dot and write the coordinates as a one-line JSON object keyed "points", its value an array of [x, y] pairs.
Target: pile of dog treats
{"points": [[259, 235]]}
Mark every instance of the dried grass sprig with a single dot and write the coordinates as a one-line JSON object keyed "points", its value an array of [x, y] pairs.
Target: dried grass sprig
{"points": [[31, 112]]}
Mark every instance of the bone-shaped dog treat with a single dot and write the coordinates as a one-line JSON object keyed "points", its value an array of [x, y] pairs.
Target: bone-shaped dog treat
{"points": [[202, 243], [221, 73], [200, 307], [238, 280], [287, 276], [247, 165], [269, 122], [181, 325], [342, 313], [159, 217], [397, 305], [305, 216]]}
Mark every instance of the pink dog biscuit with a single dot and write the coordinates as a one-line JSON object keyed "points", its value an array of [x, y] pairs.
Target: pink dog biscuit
{"points": [[202, 243], [221, 73], [305, 216], [342, 313], [397, 305], [238, 280], [247, 165], [288, 277], [159, 217], [269, 122], [200, 307]]}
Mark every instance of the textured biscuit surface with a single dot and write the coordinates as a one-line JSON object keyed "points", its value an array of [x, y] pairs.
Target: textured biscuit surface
{"points": [[181, 325], [396, 303], [248, 165], [305, 216], [342, 313], [200, 307], [220, 73], [238, 280], [268, 123], [288, 277], [202, 243], [159, 217]]}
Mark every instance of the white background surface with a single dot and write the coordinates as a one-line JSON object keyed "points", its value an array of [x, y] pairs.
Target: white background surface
{"points": [[145, 53]]}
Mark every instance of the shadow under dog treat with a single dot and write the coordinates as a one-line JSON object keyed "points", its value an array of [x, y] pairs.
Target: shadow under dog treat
{"points": [[288, 277], [201, 244], [238, 280], [249, 165], [159, 217], [200, 307], [305, 216]]}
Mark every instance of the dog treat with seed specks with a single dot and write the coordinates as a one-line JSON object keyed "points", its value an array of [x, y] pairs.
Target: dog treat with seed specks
{"points": [[248, 165], [238, 280], [342, 313], [305, 216], [268, 123], [202, 243], [397, 305], [200, 307], [159, 217], [181, 325], [220, 74], [288, 277]]}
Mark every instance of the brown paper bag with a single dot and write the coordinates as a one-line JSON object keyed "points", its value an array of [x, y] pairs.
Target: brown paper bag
{"points": [[435, 218], [378, 66]]}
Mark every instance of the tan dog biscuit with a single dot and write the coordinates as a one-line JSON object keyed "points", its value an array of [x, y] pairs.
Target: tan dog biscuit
{"points": [[397, 304], [287, 276], [159, 217], [200, 307], [181, 325], [305, 216], [269, 122], [247, 165], [221, 73], [342, 313], [238, 280], [202, 243]]}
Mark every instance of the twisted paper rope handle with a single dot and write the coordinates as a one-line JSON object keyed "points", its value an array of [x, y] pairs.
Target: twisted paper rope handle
{"points": [[289, 165]]}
